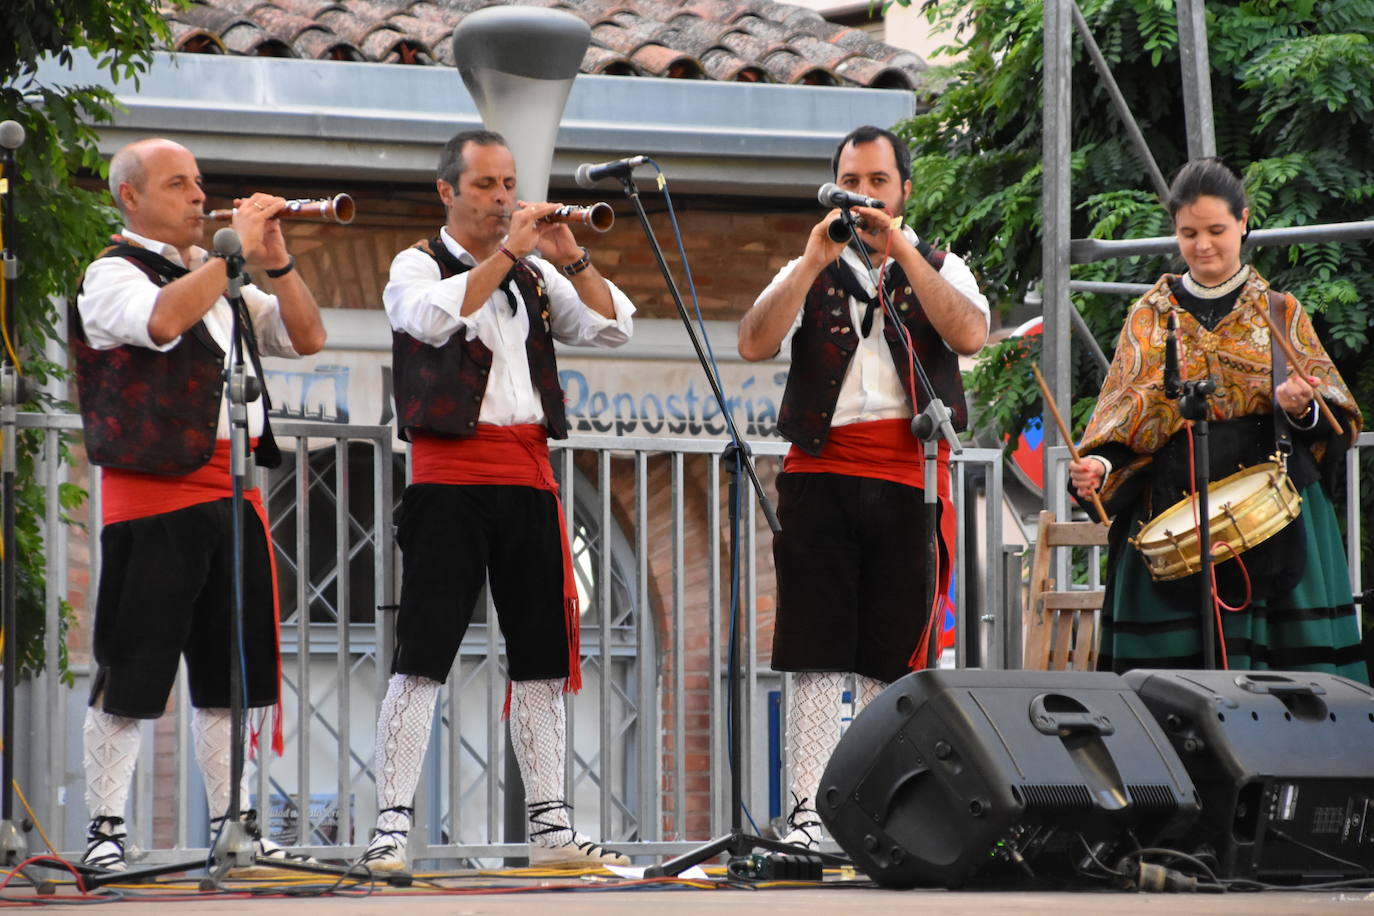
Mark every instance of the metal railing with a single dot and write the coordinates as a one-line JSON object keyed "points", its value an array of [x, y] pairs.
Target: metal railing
{"points": [[649, 524]]}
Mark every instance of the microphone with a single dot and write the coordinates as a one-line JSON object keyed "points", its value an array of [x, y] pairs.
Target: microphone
{"points": [[1172, 386], [588, 174], [832, 195], [226, 243]]}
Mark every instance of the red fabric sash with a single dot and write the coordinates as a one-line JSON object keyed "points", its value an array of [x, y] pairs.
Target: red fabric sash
{"points": [[886, 450], [505, 456], [129, 495]]}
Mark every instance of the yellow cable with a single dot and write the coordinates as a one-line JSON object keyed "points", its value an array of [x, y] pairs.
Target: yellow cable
{"points": [[33, 817]]}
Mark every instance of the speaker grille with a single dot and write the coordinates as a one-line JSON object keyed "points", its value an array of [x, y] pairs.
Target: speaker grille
{"points": [[1055, 798], [1155, 797]]}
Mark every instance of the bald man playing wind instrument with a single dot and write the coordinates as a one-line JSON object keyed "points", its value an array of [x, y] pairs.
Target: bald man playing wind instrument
{"points": [[151, 337]]}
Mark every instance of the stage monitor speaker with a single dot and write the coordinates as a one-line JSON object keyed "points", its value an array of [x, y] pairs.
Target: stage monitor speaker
{"points": [[1001, 777], [1283, 762]]}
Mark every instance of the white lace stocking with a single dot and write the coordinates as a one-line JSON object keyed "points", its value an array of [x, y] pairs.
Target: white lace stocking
{"points": [[538, 730], [212, 731], [866, 691], [813, 728], [111, 750], [403, 727]]}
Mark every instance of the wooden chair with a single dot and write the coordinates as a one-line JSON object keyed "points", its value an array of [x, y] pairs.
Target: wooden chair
{"points": [[1060, 626]]}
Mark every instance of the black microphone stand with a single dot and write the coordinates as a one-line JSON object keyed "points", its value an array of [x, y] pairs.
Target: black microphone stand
{"points": [[234, 847], [736, 456], [14, 390], [929, 426], [1192, 405]]}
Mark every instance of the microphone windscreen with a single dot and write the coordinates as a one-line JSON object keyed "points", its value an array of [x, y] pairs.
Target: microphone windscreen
{"points": [[826, 195], [583, 176], [226, 242], [11, 134]]}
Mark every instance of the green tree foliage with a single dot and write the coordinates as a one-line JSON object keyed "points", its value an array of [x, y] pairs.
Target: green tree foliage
{"points": [[60, 225], [1293, 92]]}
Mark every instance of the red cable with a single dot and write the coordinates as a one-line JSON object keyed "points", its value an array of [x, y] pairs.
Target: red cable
{"points": [[922, 647]]}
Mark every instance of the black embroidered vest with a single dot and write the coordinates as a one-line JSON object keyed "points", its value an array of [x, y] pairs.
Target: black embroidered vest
{"points": [[144, 410], [151, 411], [824, 345], [440, 389]]}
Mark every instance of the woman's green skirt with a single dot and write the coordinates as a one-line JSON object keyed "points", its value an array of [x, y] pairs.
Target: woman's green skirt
{"points": [[1313, 627]]}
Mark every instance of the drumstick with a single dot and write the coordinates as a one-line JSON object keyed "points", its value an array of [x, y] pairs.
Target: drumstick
{"points": [[1068, 439], [1295, 364]]}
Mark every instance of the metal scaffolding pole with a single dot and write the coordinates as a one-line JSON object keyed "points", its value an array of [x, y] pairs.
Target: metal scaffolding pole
{"points": [[1197, 78], [1056, 204]]}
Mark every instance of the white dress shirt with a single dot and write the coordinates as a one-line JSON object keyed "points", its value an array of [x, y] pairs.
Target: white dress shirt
{"points": [[117, 301], [428, 308], [872, 389]]}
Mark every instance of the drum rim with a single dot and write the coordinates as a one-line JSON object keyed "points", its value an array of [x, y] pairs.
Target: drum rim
{"points": [[1169, 557]]}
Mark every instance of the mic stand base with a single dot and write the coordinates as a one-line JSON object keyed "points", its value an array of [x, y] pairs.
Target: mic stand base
{"points": [[233, 849], [736, 844], [13, 850]]}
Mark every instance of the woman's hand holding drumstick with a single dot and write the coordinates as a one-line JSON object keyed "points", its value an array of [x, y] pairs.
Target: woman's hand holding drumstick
{"points": [[1068, 439]]}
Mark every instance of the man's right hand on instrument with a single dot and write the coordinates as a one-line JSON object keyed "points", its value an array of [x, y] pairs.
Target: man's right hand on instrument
{"points": [[526, 231], [819, 248], [1086, 476]]}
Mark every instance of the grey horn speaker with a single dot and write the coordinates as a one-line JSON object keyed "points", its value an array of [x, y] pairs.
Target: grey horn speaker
{"points": [[518, 63]]}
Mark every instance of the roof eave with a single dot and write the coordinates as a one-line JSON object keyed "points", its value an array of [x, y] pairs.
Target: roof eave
{"points": [[385, 122]]}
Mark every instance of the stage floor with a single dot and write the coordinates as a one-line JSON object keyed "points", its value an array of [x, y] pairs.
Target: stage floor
{"points": [[524, 891]]}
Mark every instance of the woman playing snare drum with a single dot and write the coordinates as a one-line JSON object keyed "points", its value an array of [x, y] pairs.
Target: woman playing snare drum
{"points": [[1286, 603]]}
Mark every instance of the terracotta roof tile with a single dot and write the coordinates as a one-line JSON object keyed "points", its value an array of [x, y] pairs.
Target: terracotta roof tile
{"points": [[786, 67], [346, 25], [280, 24], [243, 38], [599, 60], [429, 32], [195, 40], [723, 66], [656, 60], [686, 39], [750, 47], [321, 44], [817, 51], [310, 9], [869, 72]]}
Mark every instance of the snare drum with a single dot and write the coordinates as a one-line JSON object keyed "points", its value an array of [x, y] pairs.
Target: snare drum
{"points": [[1246, 509]]}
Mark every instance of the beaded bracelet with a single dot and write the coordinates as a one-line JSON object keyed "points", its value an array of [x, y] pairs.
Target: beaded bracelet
{"points": [[576, 267]]}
